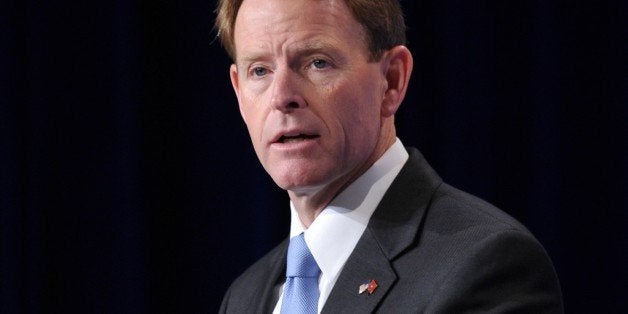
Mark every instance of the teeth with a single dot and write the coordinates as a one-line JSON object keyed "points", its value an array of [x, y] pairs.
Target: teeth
{"points": [[293, 139], [296, 138]]}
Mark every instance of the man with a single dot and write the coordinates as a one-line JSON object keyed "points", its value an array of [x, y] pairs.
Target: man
{"points": [[318, 83]]}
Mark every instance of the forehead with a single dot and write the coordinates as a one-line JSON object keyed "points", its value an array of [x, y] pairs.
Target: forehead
{"points": [[308, 23]]}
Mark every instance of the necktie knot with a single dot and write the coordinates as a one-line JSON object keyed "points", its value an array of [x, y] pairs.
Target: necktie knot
{"points": [[301, 263]]}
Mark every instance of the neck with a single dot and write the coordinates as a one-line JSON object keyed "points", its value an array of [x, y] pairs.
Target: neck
{"points": [[309, 203]]}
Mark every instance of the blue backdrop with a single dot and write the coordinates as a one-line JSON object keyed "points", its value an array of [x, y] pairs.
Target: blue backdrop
{"points": [[128, 183]]}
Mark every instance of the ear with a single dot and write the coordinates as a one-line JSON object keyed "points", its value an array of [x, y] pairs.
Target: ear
{"points": [[397, 66], [233, 74], [235, 83]]}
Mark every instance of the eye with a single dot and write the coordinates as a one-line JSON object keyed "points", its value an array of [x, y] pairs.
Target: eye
{"points": [[259, 71], [320, 64]]}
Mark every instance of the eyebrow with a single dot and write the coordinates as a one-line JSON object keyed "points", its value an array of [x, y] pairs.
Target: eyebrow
{"points": [[313, 47], [297, 50], [255, 56]]}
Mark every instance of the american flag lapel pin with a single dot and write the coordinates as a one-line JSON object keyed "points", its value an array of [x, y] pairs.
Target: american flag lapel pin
{"points": [[368, 287]]}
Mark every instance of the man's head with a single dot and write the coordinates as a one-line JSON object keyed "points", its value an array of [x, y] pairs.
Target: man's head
{"points": [[317, 100]]}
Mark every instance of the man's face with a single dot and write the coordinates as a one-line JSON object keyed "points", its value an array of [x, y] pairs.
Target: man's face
{"points": [[310, 98]]}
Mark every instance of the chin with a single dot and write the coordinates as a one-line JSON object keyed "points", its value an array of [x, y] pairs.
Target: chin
{"points": [[300, 182]]}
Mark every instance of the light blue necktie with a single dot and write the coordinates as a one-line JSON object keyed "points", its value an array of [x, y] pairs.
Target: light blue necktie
{"points": [[300, 294]]}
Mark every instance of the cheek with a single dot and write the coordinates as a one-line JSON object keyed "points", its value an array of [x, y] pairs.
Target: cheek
{"points": [[251, 115], [358, 108], [362, 120], [353, 123], [246, 107], [254, 128]]}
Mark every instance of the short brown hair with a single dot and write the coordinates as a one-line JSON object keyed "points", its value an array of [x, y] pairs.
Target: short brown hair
{"points": [[382, 20]]}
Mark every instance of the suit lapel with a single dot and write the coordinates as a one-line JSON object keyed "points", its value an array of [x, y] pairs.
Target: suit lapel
{"points": [[398, 218], [276, 278], [366, 263], [394, 226]]}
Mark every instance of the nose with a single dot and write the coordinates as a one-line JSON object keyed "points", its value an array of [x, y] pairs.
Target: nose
{"points": [[286, 91]]}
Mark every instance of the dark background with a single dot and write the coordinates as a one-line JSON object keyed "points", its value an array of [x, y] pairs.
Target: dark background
{"points": [[128, 183]]}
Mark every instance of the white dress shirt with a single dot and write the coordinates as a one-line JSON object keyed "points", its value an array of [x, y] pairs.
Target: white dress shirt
{"points": [[336, 230]]}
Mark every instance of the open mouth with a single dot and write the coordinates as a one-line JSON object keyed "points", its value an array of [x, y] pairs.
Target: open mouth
{"points": [[296, 138]]}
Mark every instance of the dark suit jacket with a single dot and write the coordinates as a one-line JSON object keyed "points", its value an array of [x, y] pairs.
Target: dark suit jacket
{"points": [[432, 249]]}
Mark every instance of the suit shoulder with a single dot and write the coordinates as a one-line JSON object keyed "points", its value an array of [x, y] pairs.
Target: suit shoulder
{"points": [[454, 209], [472, 255]]}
